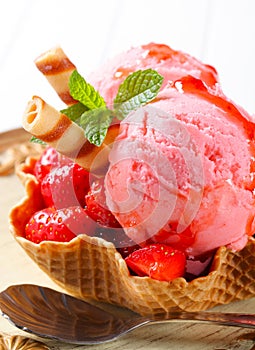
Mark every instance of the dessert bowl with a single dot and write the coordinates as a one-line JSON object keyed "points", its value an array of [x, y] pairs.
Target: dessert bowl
{"points": [[90, 267]]}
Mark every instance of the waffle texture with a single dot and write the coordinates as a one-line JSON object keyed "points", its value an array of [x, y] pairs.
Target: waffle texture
{"points": [[90, 267]]}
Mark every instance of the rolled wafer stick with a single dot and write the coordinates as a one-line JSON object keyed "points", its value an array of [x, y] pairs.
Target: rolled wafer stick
{"points": [[57, 130], [57, 68]]}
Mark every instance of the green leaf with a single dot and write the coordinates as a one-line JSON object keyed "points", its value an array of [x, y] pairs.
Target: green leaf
{"points": [[83, 92], [74, 112], [137, 89], [36, 140], [95, 124]]}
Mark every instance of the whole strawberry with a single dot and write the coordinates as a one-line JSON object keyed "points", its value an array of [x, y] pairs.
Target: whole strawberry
{"points": [[65, 186], [158, 261], [97, 207], [48, 160], [58, 225]]}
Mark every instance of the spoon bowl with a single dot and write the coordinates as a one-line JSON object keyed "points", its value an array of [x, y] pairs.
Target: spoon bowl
{"points": [[48, 313]]}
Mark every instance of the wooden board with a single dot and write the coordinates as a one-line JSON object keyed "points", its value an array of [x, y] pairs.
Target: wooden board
{"points": [[16, 267]]}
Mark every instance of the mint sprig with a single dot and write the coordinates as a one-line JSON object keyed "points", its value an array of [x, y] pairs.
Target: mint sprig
{"points": [[91, 113], [137, 89]]}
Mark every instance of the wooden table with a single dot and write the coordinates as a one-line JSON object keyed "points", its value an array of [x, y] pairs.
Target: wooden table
{"points": [[16, 267]]}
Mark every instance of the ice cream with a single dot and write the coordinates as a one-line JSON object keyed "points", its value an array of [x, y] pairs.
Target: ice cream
{"points": [[181, 171], [182, 168], [171, 64]]}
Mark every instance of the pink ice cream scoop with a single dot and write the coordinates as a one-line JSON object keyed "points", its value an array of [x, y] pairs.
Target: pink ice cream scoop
{"points": [[182, 169], [169, 63]]}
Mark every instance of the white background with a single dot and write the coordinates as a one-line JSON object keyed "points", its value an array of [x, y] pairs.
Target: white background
{"points": [[219, 32]]}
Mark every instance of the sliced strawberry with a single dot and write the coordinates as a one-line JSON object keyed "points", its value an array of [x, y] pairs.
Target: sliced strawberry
{"points": [[58, 225], [97, 207], [65, 186], [158, 261]]}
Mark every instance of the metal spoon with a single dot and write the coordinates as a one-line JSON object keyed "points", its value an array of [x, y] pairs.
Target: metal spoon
{"points": [[47, 313]]}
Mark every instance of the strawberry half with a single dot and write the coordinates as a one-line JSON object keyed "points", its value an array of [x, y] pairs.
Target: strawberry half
{"points": [[58, 225], [97, 207], [65, 186], [158, 261]]}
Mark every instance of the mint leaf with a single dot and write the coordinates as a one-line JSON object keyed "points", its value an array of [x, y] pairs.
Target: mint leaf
{"points": [[36, 140], [74, 112], [95, 124], [83, 92], [137, 89]]}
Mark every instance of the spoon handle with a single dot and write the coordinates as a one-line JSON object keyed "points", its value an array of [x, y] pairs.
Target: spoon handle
{"points": [[227, 319]]}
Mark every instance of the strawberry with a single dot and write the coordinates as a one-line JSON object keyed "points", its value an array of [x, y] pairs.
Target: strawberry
{"points": [[158, 261], [65, 186], [96, 205], [58, 225], [48, 160], [117, 236]]}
